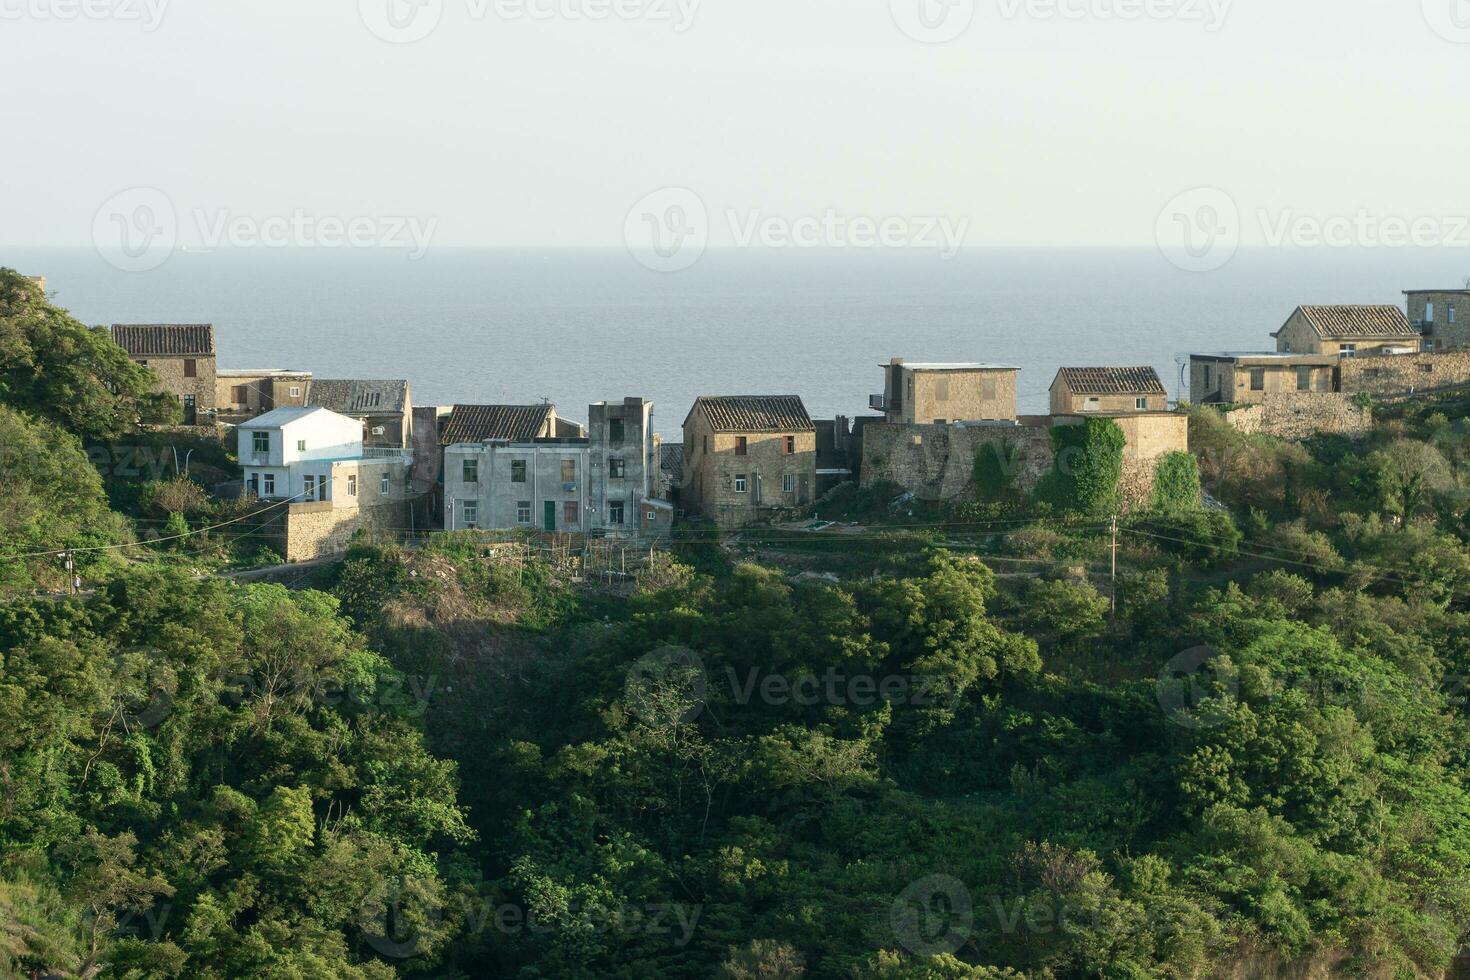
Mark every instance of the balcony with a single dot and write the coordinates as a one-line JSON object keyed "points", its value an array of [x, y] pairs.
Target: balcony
{"points": [[388, 452]]}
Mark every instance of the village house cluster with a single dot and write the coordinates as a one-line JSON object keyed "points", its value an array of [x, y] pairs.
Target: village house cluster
{"points": [[339, 454]]}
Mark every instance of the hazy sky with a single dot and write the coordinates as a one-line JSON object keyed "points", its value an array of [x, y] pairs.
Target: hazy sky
{"points": [[524, 122]]}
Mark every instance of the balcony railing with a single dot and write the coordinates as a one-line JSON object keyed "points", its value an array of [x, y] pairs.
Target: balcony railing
{"points": [[387, 452]]}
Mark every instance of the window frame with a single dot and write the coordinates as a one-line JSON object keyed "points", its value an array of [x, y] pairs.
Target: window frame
{"points": [[523, 513], [469, 470], [742, 483], [742, 445], [469, 514], [519, 466], [1258, 379], [257, 438]]}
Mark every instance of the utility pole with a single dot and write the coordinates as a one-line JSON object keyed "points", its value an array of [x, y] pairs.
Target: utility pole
{"points": [[1115, 565]]}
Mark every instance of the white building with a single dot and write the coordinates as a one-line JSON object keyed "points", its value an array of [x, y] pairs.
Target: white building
{"points": [[315, 455]]}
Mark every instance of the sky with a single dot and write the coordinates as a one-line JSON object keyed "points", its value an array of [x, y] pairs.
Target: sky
{"points": [[536, 123]]}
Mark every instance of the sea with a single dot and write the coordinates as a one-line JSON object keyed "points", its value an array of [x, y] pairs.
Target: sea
{"points": [[575, 326]]}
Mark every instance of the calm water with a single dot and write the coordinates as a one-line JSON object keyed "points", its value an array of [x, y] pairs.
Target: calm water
{"points": [[467, 325]]}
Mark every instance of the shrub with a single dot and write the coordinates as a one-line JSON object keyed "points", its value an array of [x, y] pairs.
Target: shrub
{"points": [[1176, 483], [1089, 464]]}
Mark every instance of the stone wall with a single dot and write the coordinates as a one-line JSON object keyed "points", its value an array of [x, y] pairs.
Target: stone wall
{"points": [[317, 530], [1299, 415], [170, 372], [937, 462], [1400, 373], [712, 478]]}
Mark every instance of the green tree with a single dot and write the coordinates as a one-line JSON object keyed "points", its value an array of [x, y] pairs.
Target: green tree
{"points": [[56, 368], [1176, 483]]}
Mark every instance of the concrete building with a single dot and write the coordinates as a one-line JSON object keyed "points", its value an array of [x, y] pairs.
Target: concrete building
{"points": [[940, 393], [625, 465], [242, 394], [310, 464], [1250, 377], [182, 356], [1441, 315], [540, 484], [748, 457], [384, 408], [1347, 331], [1108, 390]]}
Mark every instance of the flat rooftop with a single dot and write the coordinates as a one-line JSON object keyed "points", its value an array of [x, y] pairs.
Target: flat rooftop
{"points": [[951, 366]]}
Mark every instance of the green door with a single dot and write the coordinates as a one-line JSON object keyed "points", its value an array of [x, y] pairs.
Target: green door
{"points": [[551, 515]]}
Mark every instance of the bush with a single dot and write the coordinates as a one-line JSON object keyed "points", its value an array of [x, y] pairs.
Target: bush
{"points": [[1089, 464], [1202, 536], [1176, 483]]}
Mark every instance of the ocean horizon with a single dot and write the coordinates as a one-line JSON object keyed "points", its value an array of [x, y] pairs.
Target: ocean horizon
{"points": [[575, 326]]}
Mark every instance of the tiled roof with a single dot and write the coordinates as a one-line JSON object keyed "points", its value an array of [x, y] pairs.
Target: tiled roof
{"points": [[755, 413], [353, 396], [671, 459], [165, 339], [1112, 380], [1349, 322], [476, 423]]}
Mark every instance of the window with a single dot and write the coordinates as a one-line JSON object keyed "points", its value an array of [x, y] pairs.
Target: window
{"points": [[1303, 379], [254, 484], [788, 483], [383, 485], [569, 471], [571, 513], [742, 446], [1348, 350], [615, 468], [1141, 404], [295, 391], [260, 442], [470, 471], [352, 484], [1427, 368], [470, 513], [1429, 312], [142, 363], [941, 389], [1258, 379], [269, 483], [740, 483], [788, 445], [321, 487], [237, 395], [1092, 404], [705, 443], [308, 484], [615, 432], [523, 512], [652, 516], [518, 471], [615, 512], [301, 445], [1450, 313], [190, 370]]}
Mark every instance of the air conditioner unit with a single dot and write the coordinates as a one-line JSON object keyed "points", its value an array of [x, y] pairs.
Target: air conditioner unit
{"points": [[377, 430]]}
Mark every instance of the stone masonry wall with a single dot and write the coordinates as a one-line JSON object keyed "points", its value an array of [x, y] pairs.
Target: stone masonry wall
{"points": [[316, 530], [937, 462], [1400, 373], [1299, 415]]}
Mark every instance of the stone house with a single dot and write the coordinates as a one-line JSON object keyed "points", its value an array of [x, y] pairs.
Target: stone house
{"points": [[748, 457], [1441, 315], [938, 393], [321, 484], [242, 394], [1347, 331], [1251, 377], [383, 407], [182, 356], [1110, 390]]}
